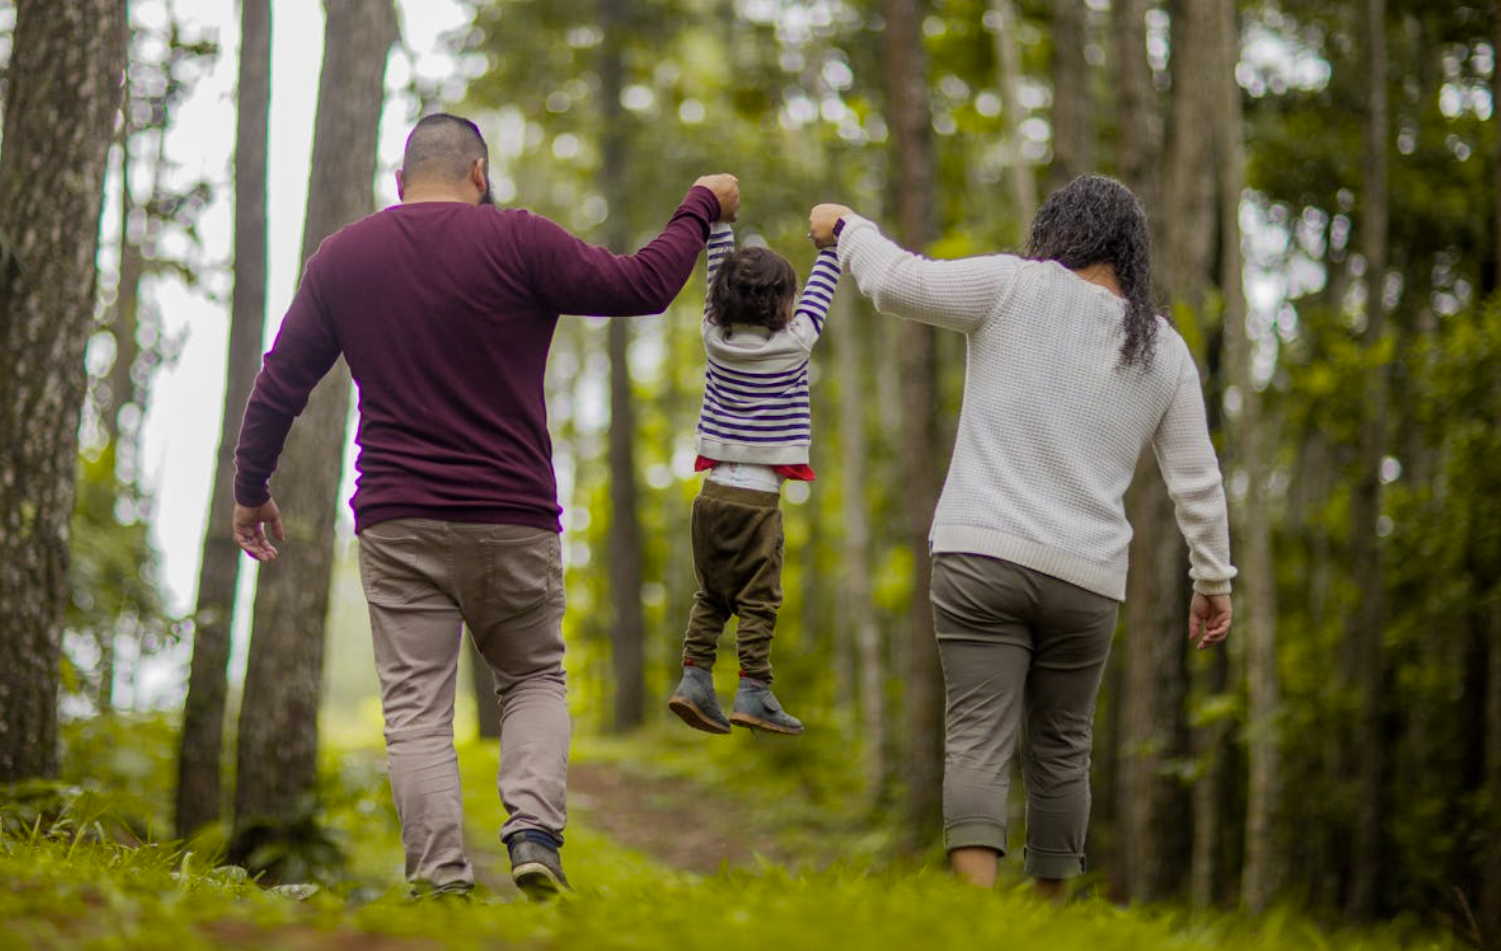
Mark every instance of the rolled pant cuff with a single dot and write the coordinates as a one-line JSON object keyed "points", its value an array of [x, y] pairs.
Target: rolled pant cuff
{"points": [[1041, 864], [974, 833]]}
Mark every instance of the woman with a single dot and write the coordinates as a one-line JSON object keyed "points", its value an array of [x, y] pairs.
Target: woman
{"points": [[1071, 375]]}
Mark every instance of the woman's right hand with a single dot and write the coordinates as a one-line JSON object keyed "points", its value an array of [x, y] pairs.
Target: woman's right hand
{"points": [[821, 222]]}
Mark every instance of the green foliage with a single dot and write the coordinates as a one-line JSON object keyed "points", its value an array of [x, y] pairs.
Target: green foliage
{"points": [[72, 882], [111, 580]]}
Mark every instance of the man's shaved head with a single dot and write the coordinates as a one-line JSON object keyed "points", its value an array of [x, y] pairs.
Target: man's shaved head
{"points": [[443, 148]]}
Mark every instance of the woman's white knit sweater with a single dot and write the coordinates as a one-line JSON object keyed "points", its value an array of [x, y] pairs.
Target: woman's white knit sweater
{"points": [[1052, 425]]}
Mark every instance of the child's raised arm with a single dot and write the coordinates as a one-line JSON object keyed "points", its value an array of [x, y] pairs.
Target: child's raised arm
{"points": [[818, 294], [721, 245]]}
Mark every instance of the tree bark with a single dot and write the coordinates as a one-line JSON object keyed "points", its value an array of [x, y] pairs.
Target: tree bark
{"points": [[1368, 619], [628, 636], [278, 745], [1490, 898], [1262, 868], [1140, 149], [1072, 133], [1008, 67], [912, 181], [859, 615], [199, 770], [62, 93], [1155, 844], [486, 704]]}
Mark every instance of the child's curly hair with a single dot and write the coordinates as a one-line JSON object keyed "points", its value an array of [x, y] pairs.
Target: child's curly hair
{"points": [[755, 287]]}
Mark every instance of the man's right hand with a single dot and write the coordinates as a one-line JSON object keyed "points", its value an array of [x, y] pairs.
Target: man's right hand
{"points": [[1208, 619], [726, 188]]}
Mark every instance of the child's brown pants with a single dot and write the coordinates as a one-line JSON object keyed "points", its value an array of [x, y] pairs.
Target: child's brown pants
{"points": [[737, 556]]}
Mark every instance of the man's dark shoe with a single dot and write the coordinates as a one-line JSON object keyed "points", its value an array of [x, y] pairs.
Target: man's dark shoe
{"points": [[757, 708], [694, 701], [536, 868]]}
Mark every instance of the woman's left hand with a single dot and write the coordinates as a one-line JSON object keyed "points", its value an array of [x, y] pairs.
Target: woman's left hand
{"points": [[1209, 619]]}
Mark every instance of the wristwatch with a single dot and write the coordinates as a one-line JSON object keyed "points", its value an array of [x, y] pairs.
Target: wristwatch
{"points": [[838, 228]]}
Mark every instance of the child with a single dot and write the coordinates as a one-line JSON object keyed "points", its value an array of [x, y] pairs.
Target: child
{"points": [[753, 432]]}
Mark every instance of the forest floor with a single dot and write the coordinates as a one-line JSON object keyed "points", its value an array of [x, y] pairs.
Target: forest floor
{"points": [[667, 848]]}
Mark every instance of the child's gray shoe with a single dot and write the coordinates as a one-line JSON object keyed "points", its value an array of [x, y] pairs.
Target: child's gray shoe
{"points": [[757, 708], [694, 701]]}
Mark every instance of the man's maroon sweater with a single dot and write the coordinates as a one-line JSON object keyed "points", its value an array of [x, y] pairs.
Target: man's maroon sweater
{"points": [[445, 313]]}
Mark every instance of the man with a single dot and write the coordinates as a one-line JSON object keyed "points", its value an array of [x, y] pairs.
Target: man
{"points": [[444, 308]]}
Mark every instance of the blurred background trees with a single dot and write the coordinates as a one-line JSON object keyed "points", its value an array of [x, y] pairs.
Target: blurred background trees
{"points": [[1322, 180]]}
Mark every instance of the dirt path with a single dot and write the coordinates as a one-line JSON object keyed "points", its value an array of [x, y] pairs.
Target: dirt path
{"points": [[669, 819]]}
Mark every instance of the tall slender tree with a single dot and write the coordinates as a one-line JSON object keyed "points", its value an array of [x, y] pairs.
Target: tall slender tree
{"points": [[1262, 867], [1138, 161], [1490, 899], [1368, 620], [1152, 726], [628, 632], [278, 736], [199, 775], [1008, 69], [913, 186], [62, 92], [1072, 132], [855, 594]]}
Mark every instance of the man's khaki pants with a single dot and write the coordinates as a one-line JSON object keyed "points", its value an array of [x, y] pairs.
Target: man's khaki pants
{"points": [[424, 579]]}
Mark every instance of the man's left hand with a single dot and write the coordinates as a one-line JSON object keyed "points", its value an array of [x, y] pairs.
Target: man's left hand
{"points": [[250, 526]]}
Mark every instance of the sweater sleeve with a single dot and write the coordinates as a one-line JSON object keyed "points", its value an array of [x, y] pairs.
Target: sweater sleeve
{"points": [[721, 246], [817, 297], [1192, 473], [305, 349], [571, 276], [958, 295]]}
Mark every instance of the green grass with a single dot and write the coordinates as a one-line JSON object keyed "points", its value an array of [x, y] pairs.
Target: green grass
{"points": [[70, 882]]}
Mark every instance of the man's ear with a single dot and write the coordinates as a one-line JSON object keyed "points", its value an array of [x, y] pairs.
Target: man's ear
{"points": [[478, 174], [401, 186]]}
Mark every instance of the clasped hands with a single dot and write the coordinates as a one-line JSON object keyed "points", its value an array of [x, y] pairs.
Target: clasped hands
{"points": [[821, 220]]}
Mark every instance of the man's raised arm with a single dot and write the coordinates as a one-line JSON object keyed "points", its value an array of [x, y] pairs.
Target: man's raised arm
{"points": [[574, 277]]}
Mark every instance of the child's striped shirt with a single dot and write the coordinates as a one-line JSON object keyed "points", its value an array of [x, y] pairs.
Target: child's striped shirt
{"points": [[756, 405]]}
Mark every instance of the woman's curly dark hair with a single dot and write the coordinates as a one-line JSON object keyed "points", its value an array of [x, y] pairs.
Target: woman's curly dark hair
{"points": [[754, 286], [1095, 219]]}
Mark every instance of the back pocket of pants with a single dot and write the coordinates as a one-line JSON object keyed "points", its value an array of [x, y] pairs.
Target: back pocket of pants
{"points": [[520, 573]]}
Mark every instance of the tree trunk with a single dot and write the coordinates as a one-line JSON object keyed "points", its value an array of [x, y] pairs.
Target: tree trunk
{"points": [[1154, 840], [859, 615], [1490, 895], [1262, 869], [486, 704], [125, 315], [1137, 162], [1369, 617], [199, 772], [277, 756], [628, 636], [1072, 132], [912, 182], [1137, 105], [1490, 898], [1008, 65], [62, 93]]}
